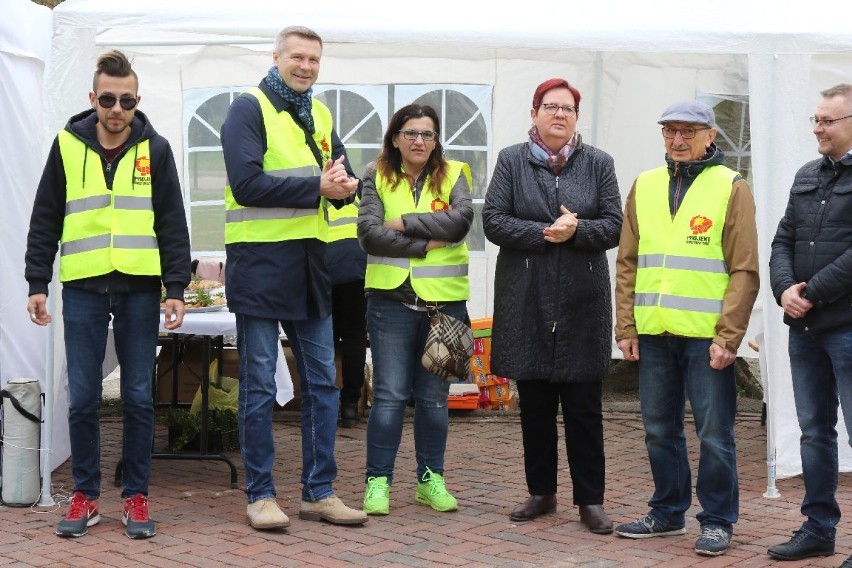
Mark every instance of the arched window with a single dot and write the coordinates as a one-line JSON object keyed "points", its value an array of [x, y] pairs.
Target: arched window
{"points": [[733, 134], [465, 114], [204, 168], [359, 119]]}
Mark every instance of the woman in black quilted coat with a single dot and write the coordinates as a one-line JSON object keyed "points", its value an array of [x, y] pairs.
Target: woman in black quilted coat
{"points": [[553, 207]]}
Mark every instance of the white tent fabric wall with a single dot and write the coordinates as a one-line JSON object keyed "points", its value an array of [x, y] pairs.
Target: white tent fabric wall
{"points": [[25, 33], [628, 62]]}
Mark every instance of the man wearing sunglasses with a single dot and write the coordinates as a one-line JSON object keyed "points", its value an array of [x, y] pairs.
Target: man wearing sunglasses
{"points": [[810, 272], [686, 280], [109, 199]]}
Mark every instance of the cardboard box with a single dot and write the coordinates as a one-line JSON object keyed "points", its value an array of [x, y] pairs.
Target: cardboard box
{"points": [[496, 396], [487, 379], [296, 403], [189, 370], [478, 324]]}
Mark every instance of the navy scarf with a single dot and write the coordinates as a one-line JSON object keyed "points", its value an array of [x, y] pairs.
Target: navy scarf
{"points": [[302, 101]]}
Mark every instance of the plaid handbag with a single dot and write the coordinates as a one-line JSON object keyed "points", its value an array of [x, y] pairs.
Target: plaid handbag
{"points": [[449, 346]]}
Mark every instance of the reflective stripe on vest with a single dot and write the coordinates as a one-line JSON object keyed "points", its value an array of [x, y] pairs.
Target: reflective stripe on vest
{"points": [[681, 275], [106, 230], [286, 155], [343, 222], [442, 276]]}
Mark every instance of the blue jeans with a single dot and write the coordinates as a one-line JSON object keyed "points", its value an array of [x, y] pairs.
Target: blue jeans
{"points": [[821, 365], [136, 323], [313, 348], [397, 340], [671, 369]]}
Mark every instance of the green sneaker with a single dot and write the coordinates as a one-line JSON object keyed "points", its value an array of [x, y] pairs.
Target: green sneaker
{"points": [[432, 491], [377, 496]]}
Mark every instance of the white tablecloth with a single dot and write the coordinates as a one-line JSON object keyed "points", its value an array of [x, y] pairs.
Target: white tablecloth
{"points": [[223, 322]]}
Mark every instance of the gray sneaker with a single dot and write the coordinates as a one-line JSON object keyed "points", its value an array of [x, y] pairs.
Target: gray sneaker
{"points": [[135, 518], [82, 514], [648, 527], [714, 540]]}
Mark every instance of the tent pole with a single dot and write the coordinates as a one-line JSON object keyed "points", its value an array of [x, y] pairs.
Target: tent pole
{"points": [[46, 498], [771, 490]]}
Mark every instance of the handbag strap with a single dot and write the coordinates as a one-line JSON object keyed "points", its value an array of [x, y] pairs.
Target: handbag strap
{"points": [[432, 310]]}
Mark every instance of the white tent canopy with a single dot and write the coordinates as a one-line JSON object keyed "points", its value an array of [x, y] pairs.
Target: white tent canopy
{"points": [[629, 60], [25, 32]]}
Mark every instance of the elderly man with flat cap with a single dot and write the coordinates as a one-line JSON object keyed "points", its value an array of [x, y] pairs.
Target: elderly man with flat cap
{"points": [[686, 280]]}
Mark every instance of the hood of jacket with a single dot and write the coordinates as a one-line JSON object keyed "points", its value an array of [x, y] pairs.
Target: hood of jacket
{"points": [[83, 125]]}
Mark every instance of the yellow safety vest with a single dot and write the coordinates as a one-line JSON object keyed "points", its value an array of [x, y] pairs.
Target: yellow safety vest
{"points": [[681, 275], [107, 230], [286, 155], [442, 275], [343, 222]]}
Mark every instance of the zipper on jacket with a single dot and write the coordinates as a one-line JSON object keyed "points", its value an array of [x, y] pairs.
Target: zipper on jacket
{"points": [[590, 266], [676, 196], [527, 261], [554, 327]]}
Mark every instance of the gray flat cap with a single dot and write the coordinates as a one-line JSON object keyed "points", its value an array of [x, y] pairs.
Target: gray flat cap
{"points": [[689, 111]]}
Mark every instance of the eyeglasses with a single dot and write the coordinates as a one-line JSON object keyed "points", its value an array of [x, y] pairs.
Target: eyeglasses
{"points": [[687, 133], [824, 122], [108, 101], [551, 108], [427, 135]]}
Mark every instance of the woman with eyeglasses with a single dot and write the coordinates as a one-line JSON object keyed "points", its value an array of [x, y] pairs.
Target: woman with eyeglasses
{"points": [[554, 209], [415, 213]]}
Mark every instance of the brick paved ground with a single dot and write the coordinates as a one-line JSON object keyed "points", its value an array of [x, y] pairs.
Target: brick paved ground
{"points": [[202, 523]]}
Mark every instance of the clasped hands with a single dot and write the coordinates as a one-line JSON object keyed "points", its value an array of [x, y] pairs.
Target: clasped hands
{"points": [[794, 304], [335, 182], [563, 228]]}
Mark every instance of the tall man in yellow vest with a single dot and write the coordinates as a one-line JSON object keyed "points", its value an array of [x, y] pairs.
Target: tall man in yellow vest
{"points": [[686, 280], [347, 265], [110, 196], [284, 162]]}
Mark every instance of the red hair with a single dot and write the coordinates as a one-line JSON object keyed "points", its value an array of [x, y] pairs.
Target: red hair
{"points": [[551, 84]]}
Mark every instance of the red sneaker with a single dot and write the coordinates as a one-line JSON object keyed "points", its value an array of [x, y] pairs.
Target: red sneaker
{"points": [[82, 514], [136, 519]]}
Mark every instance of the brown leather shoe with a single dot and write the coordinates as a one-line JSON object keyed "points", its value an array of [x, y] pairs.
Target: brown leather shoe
{"points": [[595, 519], [535, 506]]}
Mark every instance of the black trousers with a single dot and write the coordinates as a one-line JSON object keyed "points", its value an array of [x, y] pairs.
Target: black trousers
{"points": [[349, 316], [583, 419]]}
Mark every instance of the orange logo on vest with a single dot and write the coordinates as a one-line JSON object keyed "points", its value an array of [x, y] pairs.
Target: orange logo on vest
{"points": [[143, 166], [439, 205], [700, 224]]}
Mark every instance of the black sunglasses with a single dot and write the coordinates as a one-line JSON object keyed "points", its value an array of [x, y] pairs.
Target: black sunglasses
{"points": [[108, 101]]}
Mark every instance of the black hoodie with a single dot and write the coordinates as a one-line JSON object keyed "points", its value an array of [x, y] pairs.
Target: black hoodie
{"points": [[48, 214]]}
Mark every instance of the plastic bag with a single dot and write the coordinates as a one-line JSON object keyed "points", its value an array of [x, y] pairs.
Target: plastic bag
{"points": [[223, 398]]}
